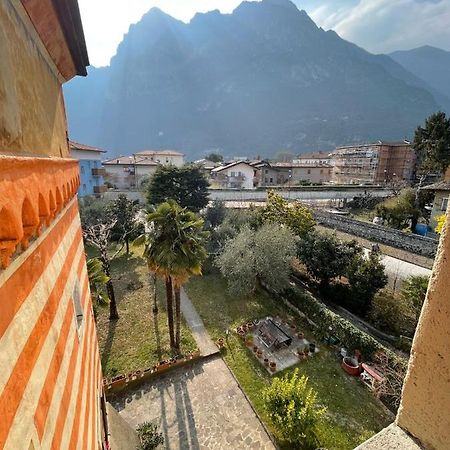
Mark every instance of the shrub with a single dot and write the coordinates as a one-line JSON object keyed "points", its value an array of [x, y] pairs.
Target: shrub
{"points": [[149, 436], [414, 291], [292, 407]]}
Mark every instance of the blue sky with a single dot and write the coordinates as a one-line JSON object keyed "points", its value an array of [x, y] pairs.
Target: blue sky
{"points": [[380, 26]]}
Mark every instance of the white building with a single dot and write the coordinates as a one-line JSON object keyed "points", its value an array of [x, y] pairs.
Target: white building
{"points": [[236, 175], [163, 156], [315, 158]]}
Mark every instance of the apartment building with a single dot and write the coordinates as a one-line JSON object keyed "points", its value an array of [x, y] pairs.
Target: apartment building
{"points": [[378, 163]]}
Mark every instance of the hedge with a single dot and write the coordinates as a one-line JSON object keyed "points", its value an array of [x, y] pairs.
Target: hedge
{"points": [[349, 335]]}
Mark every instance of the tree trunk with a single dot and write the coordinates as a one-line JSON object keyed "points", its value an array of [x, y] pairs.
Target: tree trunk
{"points": [[415, 219], [177, 316], [169, 298], [113, 314], [153, 283], [127, 243]]}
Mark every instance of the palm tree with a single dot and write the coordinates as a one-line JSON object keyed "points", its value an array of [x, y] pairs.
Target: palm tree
{"points": [[174, 250], [97, 284]]}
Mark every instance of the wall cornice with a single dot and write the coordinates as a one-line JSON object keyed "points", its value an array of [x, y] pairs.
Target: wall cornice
{"points": [[32, 193]]}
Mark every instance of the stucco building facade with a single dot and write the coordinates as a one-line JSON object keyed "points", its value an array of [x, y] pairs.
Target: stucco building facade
{"points": [[51, 390], [91, 169], [235, 175]]}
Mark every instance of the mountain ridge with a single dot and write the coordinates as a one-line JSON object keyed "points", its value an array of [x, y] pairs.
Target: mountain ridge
{"points": [[261, 79]]}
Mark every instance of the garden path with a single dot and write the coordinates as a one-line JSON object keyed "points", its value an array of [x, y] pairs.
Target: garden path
{"points": [[195, 323]]}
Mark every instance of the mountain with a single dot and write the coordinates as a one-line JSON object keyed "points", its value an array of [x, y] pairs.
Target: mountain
{"points": [[261, 79], [430, 64]]}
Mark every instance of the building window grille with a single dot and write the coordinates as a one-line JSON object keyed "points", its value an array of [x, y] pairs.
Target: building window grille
{"points": [[444, 204]]}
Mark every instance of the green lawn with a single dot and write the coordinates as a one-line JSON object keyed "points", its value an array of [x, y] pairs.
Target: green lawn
{"points": [[353, 413], [139, 339]]}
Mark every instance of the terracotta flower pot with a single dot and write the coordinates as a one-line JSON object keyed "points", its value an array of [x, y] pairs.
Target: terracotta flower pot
{"points": [[255, 348], [250, 326], [293, 326], [259, 353], [301, 335], [273, 366], [266, 362]]}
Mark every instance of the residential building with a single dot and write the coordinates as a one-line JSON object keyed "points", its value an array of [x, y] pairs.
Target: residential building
{"points": [[235, 175], [130, 172], [51, 387], [206, 166], [164, 157], [91, 169], [311, 173], [378, 163], [315, 158], [441, 191]]}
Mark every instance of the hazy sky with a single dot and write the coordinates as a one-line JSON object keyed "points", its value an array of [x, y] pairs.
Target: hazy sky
{"points": [[379, 26]]}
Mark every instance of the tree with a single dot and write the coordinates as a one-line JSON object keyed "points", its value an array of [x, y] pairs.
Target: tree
{"points": [[215, 214], [398, 211], [97, 284], [432, 144], [215, 157], [149, 436], [258, 256], [174, 250], [296, 216], [93, 211], [366, 277], [326, 257], [292, 406], [124, 211], [185, 185], [99, 236], [414, 291]]}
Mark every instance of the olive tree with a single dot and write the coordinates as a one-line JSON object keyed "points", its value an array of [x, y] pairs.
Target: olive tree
{"points": [[255, 257]]}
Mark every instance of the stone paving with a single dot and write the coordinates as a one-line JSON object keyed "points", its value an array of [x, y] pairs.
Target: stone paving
{"points": [[197, 407]]}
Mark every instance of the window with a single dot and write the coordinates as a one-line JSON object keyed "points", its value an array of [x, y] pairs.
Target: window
{"points": [[267, 171], [82, 170], [84, 187], [233, 174], [77, 305], [321, 171], [266, 180], [444, 204], [167, 160], [271, 180], [309, 171]]}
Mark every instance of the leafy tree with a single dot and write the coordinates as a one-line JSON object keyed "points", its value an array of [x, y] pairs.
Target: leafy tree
{"points": [[398, 211], [252, 257], [99, 236], [215, 157], [296, 216], [174, 250], [432, 144], [326, 257], [124, 211], [366, 277], [149, 436], [414, 291], [293, 408], [215, 214], [97, 283], [93, 211], [185, 185]]}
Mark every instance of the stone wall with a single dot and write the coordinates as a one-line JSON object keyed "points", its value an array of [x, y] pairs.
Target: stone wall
{"points": [[410, 242]]}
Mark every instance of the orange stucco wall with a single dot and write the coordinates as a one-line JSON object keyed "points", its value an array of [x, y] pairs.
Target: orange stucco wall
{"points": [[32, 115]]}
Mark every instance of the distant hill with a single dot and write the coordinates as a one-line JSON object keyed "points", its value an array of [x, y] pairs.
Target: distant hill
{"points": [[431, 64], [261, 79]]}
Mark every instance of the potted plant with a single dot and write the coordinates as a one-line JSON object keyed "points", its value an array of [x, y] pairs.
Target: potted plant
{"points": [[273, 366], [250, 326], [301, 335], [220, 343], [255, 348], [259, 353], [293, 326], [266, 362]]}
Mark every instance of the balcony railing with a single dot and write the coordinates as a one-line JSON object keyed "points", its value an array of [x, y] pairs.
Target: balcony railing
{"points": [[98, 172]]}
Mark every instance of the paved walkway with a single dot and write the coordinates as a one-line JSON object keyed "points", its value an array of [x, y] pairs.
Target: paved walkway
{"points": [[197, 407], [195, 323]]}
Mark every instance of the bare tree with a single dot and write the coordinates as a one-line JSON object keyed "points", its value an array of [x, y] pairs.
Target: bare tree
{"points": [[99, 236]]}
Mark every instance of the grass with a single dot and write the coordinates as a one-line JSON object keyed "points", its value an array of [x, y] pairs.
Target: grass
{"points": [[139, 339], [353, 413]]}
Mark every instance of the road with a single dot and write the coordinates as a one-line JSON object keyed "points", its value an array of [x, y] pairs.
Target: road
{"points": [[399, 270]]}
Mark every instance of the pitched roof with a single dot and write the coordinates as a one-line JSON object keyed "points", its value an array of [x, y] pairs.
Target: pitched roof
{"points": [[133, 160], [159, 152], [315, 155], [439, 186], [234, 163], [77, 146]]}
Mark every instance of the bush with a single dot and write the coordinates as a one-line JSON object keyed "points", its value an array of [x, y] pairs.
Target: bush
{"points": [[149, 436], [292, 407], [414, 291]]}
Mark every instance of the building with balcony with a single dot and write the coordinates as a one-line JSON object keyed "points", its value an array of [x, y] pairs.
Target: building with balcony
{"points": [[378, 163], [91, 171], [235, 175], [51, 386], [315, 158]]}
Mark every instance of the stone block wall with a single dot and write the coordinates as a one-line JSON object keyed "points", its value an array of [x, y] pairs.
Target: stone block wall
{"points": [[406, 241]]}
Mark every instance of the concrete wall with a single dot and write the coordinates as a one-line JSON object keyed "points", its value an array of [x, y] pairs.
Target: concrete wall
{"points": [[32, 116], [425, 405], [389, 236]]}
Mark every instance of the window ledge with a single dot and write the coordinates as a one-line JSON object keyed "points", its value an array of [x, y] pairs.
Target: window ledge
{"points": [[391, 438]]}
